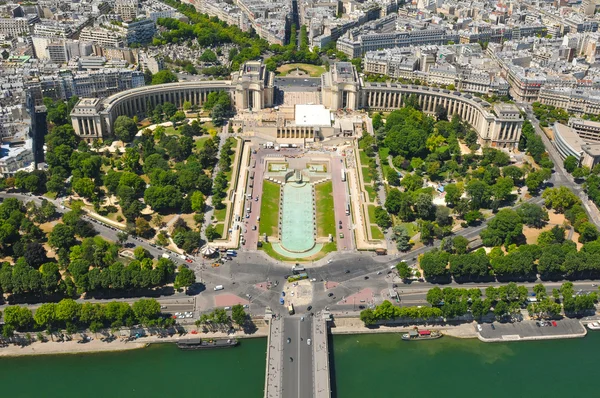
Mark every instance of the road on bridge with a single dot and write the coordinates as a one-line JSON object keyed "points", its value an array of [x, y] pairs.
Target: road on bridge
{"points": [[297, 372]]}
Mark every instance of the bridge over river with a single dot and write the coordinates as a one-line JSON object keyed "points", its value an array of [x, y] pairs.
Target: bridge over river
{"points": [[298, 368]]}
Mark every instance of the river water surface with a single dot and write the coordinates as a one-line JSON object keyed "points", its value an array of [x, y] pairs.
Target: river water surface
{"points": [[378, 365]]}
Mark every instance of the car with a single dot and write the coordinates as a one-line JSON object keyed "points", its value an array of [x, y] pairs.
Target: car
{"points": [[554, 324], [340, 226], [189, 260], [289, 340], [189, 315], [366, 277], [227, 308], [301, 319], [177, 313], [341, 236], [361, 307], [282, 294], [340, 222], [378, 272], [256, 200], [479, 328], [347, 271], [309, 308], [330, 295], [308, 341], [537, 324], [254, 227]]}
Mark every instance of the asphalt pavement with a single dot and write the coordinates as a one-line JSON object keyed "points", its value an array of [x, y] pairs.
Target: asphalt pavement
{"points": [[297, 357]]}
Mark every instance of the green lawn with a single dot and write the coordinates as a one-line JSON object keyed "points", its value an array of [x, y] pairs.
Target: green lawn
{"points": [[366, 175], [376, 232], [201, 141], [364, 159], [171, 131], [371, 210], [327, 248], [269, 210], [220, 214], [371, 192], [383, 154], [220, 228], [312, 70], [325, 209], [410, 227]]}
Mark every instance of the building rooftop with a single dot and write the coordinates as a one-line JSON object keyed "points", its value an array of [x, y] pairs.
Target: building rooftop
{"points": [[312, 115], [569, 136]]}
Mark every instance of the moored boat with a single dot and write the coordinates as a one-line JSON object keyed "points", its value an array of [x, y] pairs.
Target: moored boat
{"points": [[199, 344], [421, 335], [594, 326]]}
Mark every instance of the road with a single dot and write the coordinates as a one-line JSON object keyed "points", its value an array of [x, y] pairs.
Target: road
{"points": [[341, 199], [297, 371], [560, 176]]}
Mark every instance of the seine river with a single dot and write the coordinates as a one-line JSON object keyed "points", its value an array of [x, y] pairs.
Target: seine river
{"points": [[365, 365]]}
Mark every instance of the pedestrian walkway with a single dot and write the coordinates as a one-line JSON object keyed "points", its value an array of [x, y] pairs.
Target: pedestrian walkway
{"points": [[273, 382], [322, 382]]}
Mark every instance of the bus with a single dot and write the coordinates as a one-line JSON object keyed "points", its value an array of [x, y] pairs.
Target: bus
{"points": [[343, 175], [297, 269], [347, 209], [291, 309]]}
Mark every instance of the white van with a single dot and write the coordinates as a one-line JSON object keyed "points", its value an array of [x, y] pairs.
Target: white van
{"points": [[219, 287]]}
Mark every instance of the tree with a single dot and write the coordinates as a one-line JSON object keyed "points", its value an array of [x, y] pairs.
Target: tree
{"points": [[393, 178], [412, 182], [164, 76], [435, 296], [505, 228], [479, 193], [382, 218], [368, 317], [197, 202], [184, 278], [19, 318], [571, 163], [211, 233], [442, 216], [169, 109], [61, 237], [503, 188], [122, 237], [146, 310], [68, 310], [424, 207], [84, 187], [45, 315], [434, 264], [474, 216], [441, 113], [35, 254], [404, 270], [587, 232], [402, 238], [208, 56], [125, 128], [533, 215], [453, 193], [460, 244], [238, 315], [560, 199], [143, 228]]}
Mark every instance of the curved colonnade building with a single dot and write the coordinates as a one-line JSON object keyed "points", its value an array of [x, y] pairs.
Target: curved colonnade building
{"points": [[342, 88]]}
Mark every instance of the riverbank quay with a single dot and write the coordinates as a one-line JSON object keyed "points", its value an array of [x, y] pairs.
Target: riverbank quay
{"points": [[353, 325], [95, 344], [528, 330]]}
